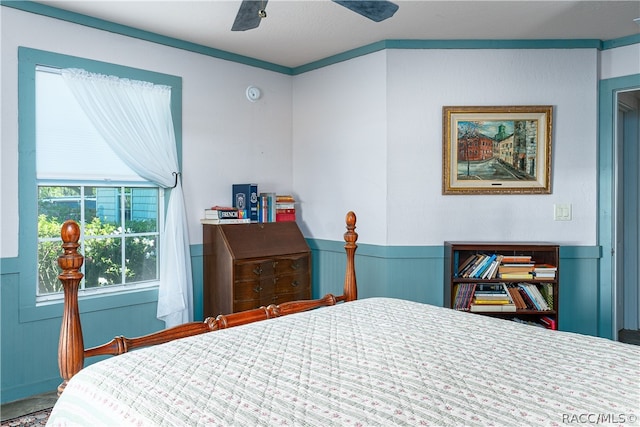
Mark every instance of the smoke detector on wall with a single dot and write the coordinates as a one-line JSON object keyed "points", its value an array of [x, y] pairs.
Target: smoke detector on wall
{"points": [[253, 93]]}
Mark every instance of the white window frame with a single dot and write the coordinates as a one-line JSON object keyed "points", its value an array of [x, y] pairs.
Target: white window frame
{"points": [[117, 288]]}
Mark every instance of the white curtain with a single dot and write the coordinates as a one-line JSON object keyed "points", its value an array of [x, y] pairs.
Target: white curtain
{"points": [[134, 117]]}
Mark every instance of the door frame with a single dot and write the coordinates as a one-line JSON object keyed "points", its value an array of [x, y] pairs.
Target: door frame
{"points": [[607, 113]]}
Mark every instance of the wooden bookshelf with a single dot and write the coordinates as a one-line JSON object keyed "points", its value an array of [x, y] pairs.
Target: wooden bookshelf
{"points": [[456, 253]]}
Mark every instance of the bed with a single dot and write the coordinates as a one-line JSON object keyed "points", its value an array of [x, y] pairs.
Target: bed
{"points": [[343, 361]]}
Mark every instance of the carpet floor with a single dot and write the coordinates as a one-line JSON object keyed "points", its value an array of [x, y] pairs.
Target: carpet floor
{"points": [[35, 419]]}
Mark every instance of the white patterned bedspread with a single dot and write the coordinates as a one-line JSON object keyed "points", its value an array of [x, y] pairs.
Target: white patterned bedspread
{"points": [[371, 362]]}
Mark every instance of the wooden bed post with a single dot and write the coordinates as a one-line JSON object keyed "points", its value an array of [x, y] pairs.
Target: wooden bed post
{"points": [[71, 345], [350, 291]]}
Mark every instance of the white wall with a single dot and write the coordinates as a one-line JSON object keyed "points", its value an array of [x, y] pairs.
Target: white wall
{"points": [[418, 83], [340, 147], [226, 138], [421, 82], [621, 61]]}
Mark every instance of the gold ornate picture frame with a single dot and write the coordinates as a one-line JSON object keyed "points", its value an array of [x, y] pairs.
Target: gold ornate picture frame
{"points": [[497, 150]]}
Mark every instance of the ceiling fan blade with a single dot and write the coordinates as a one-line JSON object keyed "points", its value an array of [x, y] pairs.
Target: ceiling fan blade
{"points": [[248, 16], [376, 10]]}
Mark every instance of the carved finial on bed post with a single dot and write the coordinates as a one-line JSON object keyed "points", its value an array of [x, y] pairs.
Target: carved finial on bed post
{"points": [[71, 345], [350, 291]]}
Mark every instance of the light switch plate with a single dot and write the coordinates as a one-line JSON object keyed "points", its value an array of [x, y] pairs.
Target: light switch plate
{"points": [[562, 212]]}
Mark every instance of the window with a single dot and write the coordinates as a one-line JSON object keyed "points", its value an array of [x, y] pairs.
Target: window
{"points": [[75, 177], [119, 239], [118, 212]]}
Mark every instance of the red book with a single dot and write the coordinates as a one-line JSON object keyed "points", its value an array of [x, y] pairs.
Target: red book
{"points": [[282, 217], [549, 322]]}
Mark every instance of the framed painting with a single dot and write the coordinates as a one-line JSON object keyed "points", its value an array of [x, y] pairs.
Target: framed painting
{"points": [[497, 150]]}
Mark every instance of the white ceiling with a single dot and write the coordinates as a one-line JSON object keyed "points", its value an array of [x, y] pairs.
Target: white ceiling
{"points": [[296, 33]]}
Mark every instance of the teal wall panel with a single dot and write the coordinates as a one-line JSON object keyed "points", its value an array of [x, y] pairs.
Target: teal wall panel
{"points": [[29, 343], [414, 273], [328, 267], [417, 278], [29, 350], [197, 269], [579, 289]]}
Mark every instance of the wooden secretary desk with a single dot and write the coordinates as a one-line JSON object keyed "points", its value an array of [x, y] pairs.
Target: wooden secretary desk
{"points": [[247, 266]]}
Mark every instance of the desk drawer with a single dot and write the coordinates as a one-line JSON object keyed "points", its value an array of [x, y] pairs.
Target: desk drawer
{"points": [[291, 264], [249, 270]]}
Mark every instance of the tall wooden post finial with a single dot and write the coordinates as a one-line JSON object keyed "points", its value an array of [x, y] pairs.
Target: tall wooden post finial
{"points": [[350, 237], [71, 345]]}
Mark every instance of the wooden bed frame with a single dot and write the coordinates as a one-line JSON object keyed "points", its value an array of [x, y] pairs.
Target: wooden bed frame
{"points": [[71, 351]]}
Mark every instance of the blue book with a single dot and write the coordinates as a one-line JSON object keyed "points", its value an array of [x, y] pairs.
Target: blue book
{"points": [[245, 196], [479, 266], [486, 265]]}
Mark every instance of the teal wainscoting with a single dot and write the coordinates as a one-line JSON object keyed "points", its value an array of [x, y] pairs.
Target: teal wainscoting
{"points": [[29, 347], [29, 350], [417, 273], [30, 343], [196, 272], [579, 291], [407, 272]]}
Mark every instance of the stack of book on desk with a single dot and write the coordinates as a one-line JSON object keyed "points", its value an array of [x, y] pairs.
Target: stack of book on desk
{"points": [[225, 215], [285, 208]]}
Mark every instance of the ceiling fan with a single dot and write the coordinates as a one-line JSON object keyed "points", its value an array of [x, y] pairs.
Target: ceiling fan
{"points": [[251, 12]]}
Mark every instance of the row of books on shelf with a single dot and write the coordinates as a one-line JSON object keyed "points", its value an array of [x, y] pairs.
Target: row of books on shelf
{"points": [[503, 297], [247, 206], [491, 266]]}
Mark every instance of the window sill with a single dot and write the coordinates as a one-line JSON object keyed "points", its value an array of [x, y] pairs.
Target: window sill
{"points": [[87, 304]]}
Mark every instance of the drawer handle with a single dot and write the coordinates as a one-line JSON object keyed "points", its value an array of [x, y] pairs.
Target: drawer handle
{"points": [[257, 289], [295, 283], [295, 265], [257, 270]]}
